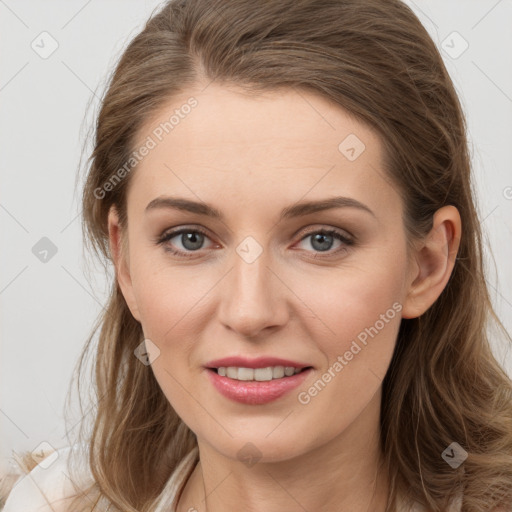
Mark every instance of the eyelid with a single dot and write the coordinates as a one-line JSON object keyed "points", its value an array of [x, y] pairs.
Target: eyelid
{"points": [[340, 234], [170, 233], [347, 240], [323, 227]]}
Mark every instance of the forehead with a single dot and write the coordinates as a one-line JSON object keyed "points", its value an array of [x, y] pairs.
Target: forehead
{"points": [[235, 143]]}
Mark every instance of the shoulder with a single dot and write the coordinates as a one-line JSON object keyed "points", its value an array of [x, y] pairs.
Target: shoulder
{"points": [[455, 506], [168, 499], [407, 505], [46, 488]]}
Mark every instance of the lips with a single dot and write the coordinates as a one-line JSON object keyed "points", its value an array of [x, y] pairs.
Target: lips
{"points": [[260, 362], [254, 392]]}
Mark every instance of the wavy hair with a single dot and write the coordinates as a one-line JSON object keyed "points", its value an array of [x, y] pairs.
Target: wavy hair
{"points": [[374, 59]]}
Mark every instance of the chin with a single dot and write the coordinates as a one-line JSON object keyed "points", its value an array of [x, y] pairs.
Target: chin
{"points": [[251, 449]]}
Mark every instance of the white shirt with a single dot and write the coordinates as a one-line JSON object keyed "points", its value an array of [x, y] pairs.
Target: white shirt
{"points": [[49, 489]]}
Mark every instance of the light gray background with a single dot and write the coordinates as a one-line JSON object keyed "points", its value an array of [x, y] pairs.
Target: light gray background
{"points": [[48, 308]]}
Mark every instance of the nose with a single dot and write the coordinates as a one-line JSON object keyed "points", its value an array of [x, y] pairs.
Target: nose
{"points": [[254, 298]]}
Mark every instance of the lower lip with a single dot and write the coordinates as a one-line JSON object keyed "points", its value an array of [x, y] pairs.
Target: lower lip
{"points": [[256, 392]]}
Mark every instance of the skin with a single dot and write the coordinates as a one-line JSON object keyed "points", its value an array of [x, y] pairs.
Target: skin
{"points": [[250, 157]]}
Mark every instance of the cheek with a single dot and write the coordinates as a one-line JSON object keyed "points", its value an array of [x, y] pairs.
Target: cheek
{"points": [[172, 312], [346, 304], [335, 306], [355, 322], [172, 301], [355, 328]]}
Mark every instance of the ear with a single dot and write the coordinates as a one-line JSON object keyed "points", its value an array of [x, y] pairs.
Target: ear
{"points": [[434, 259], [118, 241]]}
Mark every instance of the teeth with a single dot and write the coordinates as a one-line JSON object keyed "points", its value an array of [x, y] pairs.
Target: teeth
{"points": [[258, 374]]}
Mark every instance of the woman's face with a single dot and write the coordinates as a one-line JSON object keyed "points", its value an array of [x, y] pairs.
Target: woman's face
{"points": [[259, 280]]}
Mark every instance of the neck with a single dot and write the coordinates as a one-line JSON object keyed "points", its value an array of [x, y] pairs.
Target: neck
{"points": [[344, 474]]}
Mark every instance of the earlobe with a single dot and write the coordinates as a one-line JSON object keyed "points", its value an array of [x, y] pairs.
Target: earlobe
{"points": [[434, 260], [119, 254]]}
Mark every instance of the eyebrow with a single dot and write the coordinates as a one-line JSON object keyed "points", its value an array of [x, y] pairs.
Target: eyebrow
{"points": [[296, 210]]}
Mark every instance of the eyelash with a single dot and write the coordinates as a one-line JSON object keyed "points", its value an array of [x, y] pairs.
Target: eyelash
{"points": [[166, 236]]}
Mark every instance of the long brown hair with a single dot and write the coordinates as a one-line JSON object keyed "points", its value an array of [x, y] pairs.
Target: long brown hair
{"points": [[376, 60]]}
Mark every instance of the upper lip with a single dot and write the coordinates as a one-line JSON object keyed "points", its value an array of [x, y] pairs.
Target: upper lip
{"points": [[259, 362]]}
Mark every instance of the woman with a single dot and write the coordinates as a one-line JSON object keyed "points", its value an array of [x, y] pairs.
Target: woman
{"points": [[298, 320]]}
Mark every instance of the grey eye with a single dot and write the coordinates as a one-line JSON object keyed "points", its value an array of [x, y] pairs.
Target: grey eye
{"points": [[191, 240], [321, 242]]}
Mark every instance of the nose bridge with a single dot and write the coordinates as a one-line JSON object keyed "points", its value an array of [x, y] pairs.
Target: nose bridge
{"points": [[254, 298]]}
